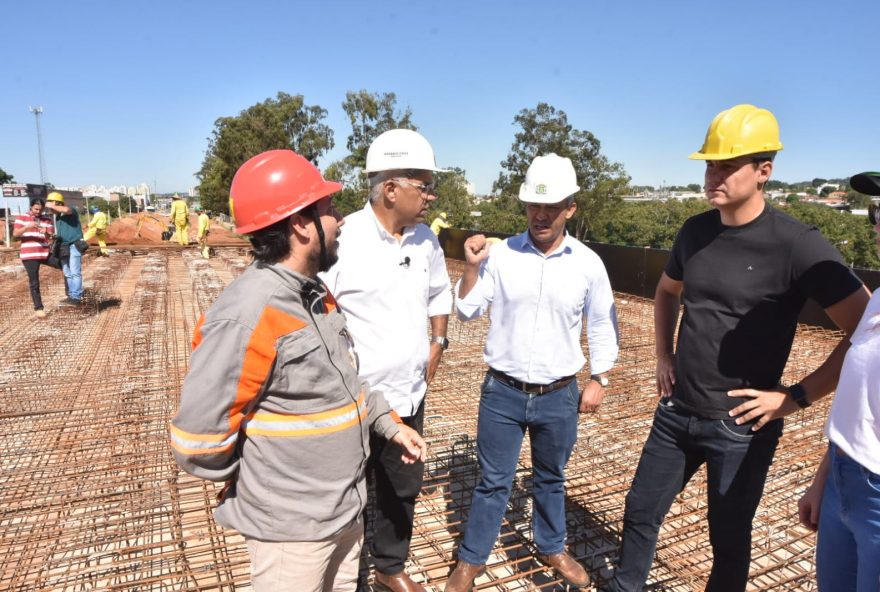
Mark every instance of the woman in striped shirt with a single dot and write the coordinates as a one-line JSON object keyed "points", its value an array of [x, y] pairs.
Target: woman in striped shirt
{"points": [[35, 230]]}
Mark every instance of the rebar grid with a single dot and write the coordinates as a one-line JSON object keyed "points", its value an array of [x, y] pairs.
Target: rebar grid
{"points": [[94, 501]]}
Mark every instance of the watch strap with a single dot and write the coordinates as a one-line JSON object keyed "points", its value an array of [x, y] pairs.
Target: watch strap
{"points": [[799, 395]]}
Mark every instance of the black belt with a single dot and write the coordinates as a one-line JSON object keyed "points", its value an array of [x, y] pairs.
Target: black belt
{"points": [[528, 387]]}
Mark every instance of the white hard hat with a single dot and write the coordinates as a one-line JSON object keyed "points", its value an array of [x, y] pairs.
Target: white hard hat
{"points": [[401, 149], [549, 180]]}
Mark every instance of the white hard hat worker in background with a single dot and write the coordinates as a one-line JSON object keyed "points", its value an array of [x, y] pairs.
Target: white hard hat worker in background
{"points": [[272, 403], [390, 279], [538, 288]]}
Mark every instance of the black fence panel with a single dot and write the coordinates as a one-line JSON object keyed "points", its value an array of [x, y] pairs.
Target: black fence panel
{"points": [[637, 270]]}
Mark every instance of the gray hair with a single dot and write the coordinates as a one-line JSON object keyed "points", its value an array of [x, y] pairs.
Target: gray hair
{"points": [[378, 179]]}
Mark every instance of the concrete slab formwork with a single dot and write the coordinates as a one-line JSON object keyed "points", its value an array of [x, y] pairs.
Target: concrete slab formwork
{"points": [[92, 499]]}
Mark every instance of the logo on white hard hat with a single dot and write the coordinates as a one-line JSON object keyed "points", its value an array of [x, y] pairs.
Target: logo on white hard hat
{"points": [[550, 179]]}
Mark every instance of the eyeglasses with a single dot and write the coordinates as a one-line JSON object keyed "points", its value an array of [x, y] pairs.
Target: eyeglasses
{"points": [[422, 188], [874, 214]]}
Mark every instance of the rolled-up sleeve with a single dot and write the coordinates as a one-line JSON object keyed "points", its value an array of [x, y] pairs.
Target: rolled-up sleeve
{"points": [[480, 297], [602, 331]]}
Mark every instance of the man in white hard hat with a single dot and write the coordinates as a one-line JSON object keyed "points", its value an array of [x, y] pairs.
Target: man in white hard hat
{"points": [[390, 278], [540, 285]]}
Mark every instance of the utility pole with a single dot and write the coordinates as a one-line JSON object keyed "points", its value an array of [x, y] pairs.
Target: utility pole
{"points": [[37, 111]]}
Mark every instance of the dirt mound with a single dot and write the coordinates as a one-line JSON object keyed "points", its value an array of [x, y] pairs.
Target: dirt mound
{"points": [[145, 229]]}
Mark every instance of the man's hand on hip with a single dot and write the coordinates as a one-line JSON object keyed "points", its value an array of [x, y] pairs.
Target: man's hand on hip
{"points": [[762, 405]]}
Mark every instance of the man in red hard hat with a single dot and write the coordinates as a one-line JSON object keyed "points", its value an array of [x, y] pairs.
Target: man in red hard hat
{"points": [[272, 403]]}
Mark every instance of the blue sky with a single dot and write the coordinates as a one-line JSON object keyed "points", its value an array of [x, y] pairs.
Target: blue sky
{"points": [[131, 89]]}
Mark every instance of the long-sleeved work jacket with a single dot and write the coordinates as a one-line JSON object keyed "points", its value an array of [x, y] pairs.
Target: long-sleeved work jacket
{"points": [[272, 401]]}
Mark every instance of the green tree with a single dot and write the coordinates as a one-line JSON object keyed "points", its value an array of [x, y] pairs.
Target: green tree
{"points": [[852, 235], [283, 122], [792, 198], [452, 198], [695, 187], [5, 177], [370, 115], [817, 182], [648, 223], [543, 130], [857, 201]]}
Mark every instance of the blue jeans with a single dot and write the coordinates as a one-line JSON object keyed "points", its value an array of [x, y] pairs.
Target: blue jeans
{"points": [[72, 267], [505, 415], [737, 461], [848, 554]]}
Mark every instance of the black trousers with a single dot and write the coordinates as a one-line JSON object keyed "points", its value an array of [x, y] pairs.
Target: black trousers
{"points": [[397, 486], [32, 267]]}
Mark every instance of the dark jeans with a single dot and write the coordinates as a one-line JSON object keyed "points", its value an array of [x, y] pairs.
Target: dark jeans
{"points": [[32, 267], [737, 461], [397, 485], [505, 414]]}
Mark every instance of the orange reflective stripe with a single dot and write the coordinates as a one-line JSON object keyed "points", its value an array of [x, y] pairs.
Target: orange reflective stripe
{"points": [[264, 423], [329, 301], [395, 416], [197, 332], [259, 357], [189, 443]]}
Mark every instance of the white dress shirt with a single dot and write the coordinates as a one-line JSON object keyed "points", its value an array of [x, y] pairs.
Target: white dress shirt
{"points": [[387, 290], [538, 303], [854, 421]]}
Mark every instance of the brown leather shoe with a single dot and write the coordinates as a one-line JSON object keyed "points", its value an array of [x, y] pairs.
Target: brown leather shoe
{"points": [[399, 582], [567, 567], [462, 577]]}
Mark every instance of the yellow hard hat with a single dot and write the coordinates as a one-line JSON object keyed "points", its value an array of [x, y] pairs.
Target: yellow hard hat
{"points": [[443, 215], [55, 196], [740, 130]]}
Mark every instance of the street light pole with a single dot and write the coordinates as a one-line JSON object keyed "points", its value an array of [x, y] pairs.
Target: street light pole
{"points": [[37, 111]]}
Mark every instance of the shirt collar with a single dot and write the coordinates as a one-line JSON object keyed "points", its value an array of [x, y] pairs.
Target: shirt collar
{"points": [[383, 233], [526, 244]]}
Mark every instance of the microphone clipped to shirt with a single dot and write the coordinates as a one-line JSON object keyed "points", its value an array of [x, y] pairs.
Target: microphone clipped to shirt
{"points": [[405, 262]]}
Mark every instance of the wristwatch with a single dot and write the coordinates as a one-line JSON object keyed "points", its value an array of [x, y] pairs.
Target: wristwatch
{"points": [[444, 343], [799, 395], [602, 380]]}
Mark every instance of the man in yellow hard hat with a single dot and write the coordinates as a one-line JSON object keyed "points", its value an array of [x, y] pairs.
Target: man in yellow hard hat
{"points": [[180, 219], [439, 223], [98, 228], [748, 269], [204, 229], [69, 231]]}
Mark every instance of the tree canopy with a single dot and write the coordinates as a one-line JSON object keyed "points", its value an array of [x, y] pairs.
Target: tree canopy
{"points": [[543, 130], [283, 122], [5, 177]]}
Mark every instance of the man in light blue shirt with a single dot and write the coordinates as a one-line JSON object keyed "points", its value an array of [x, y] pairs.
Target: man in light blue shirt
{"points": [[540, 285]]}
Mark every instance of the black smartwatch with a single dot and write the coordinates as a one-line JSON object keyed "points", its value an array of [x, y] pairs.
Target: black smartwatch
{"points": [[799, 395]]}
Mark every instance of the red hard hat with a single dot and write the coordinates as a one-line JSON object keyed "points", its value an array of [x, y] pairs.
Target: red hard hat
{"points": [[272, 186]]}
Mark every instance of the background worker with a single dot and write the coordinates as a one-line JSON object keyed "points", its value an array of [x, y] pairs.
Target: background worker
{"points": [[390, 279], [204, 229], [540, 285], [97, 227], [72, 246], [35, 230], [843, 502], [743, 271], [180, 218], [272, 402], [439, 223]]}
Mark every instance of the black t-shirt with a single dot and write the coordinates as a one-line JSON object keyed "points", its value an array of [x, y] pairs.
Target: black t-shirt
{"points": [[744, 288]]}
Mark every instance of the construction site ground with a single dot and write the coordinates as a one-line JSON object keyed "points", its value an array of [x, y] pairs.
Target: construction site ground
{"points": [[93, 500]]}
